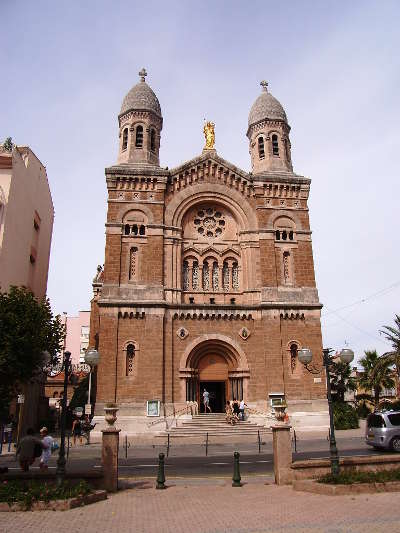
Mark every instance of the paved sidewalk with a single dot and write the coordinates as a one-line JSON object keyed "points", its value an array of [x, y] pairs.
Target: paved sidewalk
{"points": [[217, 508]]}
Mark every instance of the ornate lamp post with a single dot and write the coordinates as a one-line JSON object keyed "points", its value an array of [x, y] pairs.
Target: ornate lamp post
{"points": [[61, 462], [346, 356], [92, 358]]}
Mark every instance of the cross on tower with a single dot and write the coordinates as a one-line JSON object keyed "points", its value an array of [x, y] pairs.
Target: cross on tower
{"points": [[143, 74], [264, 85]]}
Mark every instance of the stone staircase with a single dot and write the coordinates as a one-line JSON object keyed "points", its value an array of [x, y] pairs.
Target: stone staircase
{"points": [[216, 426]]}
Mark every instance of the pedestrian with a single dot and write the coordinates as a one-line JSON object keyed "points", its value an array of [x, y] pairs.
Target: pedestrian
{"points": [[229, 417], [47, 443], [235, 406], [206, 401], [242, 405], [28, 449], [77, 430]]}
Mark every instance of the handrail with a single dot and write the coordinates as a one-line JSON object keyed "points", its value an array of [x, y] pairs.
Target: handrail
{"points": [[173, 414]]}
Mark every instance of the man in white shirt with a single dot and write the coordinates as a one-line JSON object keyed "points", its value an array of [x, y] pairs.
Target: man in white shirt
{"points": [[206, 401], [241, 408], [47, 442]]}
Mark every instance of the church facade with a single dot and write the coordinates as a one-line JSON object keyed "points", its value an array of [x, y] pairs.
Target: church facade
{"points": [[208, 280]]}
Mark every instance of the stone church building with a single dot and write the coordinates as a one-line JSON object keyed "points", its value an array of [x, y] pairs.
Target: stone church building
{"points": [[208, 279]]}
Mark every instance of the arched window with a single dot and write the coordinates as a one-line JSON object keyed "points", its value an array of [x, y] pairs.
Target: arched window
{"points": [[134, 229], [225, 276], [185, 276], [127, 229], [293, 356], [125, 139], [142, 230], [153, 140], [261, 151], [275, 145], [215, 274], [286, 267], [277, 235], [195, 276], [133, 267], [235, 276], [206, 276], [139, 136], [130, 354]]}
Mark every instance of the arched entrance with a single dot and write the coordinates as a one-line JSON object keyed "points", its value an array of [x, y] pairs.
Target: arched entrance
{"points": [[216, 364]]}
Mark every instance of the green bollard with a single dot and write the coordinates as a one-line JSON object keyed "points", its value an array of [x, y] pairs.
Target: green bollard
{"points": [[161, 474], [236, 470]]}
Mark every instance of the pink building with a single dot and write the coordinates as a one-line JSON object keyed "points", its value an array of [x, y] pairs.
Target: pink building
{"points": [[26, 220], [77, 338]]}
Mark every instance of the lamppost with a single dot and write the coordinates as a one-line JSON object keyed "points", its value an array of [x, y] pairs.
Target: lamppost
{"points": [[92, 357], [61, 462], [346, 356]]}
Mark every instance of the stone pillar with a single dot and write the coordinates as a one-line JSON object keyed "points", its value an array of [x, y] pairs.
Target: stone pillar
{"points": [[109, 458], [282, 447]]}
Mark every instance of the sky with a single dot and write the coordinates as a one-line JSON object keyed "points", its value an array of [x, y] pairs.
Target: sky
{"points": [[334, 66]]}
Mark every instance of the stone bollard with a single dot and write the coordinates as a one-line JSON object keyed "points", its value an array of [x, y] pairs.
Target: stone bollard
{"points": [[236, 470], [109, 458], [161, 472], [282, 447]]}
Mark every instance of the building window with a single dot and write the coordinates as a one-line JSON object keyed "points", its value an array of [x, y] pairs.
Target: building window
{"points": [[125, 139], [142, 230], [133, 263], [139, 137], [195, 276], [286, 267], [293, 356], [185, 276], [215, 276], [235, 276], [225, 276], [206, 276], [152, 140], [130, 354], [275, 145], [261, 151], [127, 229]]}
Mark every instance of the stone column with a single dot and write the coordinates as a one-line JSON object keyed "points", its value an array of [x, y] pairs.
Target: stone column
{"points": [[282, 447], [109, 458]]}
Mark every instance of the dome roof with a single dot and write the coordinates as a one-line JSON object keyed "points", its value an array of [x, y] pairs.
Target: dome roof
{"points": [[141, 97], [266, 107]]}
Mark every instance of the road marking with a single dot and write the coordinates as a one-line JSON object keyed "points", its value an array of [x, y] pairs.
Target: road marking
{"points": [[217, 463], [133, 466], [263, 461]]}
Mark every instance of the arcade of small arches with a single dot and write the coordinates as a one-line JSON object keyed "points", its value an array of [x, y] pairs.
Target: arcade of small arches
{"points": [[271, 143], [139, 137], [212, 274]]}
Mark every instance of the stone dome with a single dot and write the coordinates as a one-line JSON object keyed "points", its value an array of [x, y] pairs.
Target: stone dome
{"points": [[266, 107], [141, 97]]}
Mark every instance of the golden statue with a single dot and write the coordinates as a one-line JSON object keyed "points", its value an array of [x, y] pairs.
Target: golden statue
{"points": [[209, 134]]}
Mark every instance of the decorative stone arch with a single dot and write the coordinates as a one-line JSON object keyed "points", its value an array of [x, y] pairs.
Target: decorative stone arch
{"points": [[284, 214], [231, 199], [129, 357], [292, 356], [124, 210], [196, 349]]}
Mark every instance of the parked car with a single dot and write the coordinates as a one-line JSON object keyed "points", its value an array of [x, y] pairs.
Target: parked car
{"points": [[382, 430]]}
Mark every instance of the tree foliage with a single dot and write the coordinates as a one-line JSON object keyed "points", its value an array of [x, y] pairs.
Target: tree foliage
{"points": [[392, 334], [341, 380], [27, 329], [377, 374], [8, 145]]}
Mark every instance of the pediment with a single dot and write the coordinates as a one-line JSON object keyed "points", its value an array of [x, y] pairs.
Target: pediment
{"points": [[209, 158]]}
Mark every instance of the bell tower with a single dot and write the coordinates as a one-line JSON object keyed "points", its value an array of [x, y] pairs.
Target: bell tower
{"points": [[140, 124], [268, 134]]}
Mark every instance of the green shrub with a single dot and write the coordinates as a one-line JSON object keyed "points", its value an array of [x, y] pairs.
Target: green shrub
{"points": [[352, 476], [29, 491], [344, 416], [363, 410]]}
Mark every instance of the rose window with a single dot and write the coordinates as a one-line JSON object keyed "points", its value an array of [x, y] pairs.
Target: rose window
{"points": [[209, 222]]}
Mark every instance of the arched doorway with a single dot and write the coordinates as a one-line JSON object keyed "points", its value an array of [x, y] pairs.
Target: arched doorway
{"points": [[213, 371], [217, 364]]}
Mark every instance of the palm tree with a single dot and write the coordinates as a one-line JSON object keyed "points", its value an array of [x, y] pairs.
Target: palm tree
{"points": [[392, 334], [341, 380], [377, 374]]}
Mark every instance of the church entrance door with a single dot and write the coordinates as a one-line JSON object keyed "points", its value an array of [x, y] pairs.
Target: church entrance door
{"points": [[216, 390], [213, 376]]}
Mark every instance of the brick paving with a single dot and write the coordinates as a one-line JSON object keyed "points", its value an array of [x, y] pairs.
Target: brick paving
{"points": [[218, 508]]}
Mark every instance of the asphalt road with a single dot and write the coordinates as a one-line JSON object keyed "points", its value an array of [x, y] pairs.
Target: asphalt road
{"points": [[191, 461]]}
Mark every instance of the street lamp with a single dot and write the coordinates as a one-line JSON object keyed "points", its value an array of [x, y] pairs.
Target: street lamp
{"points": [[92, 357], [346, 356], [61, 462]]}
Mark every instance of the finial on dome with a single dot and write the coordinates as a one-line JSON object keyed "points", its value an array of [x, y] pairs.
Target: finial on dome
{"points": [[264, 85], [143, 74]]}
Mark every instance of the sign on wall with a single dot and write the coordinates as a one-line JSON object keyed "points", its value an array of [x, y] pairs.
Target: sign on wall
{"points": [[153, 407]]}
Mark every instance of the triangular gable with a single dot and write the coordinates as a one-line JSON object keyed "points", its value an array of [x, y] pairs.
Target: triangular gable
{"points": [[207, 158]]}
